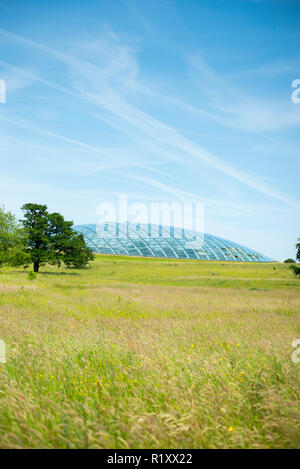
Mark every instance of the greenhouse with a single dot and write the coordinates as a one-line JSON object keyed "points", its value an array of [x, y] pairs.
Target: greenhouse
{"points": [[147, 240]]}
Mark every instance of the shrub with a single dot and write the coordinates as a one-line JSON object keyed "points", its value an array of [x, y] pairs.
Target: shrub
{"points": [[31, 275], [295, 269]]}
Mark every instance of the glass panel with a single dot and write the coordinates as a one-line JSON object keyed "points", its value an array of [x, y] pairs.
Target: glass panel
{"points": [[155, 241]]}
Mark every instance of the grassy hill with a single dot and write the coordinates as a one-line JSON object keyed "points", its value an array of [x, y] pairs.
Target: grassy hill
{"points": [[148, 353]]}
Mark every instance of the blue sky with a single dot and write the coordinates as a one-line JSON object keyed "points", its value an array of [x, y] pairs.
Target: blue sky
{"points": [[162, 100]]}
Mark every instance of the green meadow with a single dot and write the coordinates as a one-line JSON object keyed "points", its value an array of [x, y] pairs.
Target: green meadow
{"points": [[150, 353]]}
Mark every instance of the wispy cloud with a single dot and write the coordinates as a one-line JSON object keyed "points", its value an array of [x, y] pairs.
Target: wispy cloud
{"points": [[230, 106], [27, 125], [90, 84], [269, 69], [160, 131]]}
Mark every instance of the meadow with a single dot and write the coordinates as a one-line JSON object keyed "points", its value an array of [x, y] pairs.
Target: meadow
{"points": [[150, 353]]}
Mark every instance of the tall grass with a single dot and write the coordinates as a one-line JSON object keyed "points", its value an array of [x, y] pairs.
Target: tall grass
{"points": [[141, 353]]}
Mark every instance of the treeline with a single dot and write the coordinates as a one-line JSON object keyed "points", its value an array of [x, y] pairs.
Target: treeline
{"points": [[295, 268], [40, 238]]}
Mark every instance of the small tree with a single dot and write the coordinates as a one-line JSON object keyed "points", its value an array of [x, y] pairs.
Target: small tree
{"points": [[12, 241], [296, 269], [289, 261], [298, 250], [51, 239]]}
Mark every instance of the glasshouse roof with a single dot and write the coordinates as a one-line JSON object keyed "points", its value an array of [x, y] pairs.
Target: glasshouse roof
{"points": [[147, 240]]}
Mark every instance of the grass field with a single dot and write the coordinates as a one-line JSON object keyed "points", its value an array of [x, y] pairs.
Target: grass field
{"points": [[141, 353]]}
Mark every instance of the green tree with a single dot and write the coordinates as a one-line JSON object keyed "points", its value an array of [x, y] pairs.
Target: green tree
{"points": [[12, 241], [51, 239], [77, 254], [289, 261], [298, 250], [296, 269]]}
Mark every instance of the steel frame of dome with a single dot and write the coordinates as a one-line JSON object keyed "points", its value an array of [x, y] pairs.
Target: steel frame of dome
{"points": [[145, 240]]}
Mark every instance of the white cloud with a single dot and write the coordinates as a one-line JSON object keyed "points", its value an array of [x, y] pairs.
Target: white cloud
{"points": [[90, 83], [230, 106]]}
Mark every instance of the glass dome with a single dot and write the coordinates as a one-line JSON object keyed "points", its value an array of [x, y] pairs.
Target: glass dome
{"points": [[146, 240]]}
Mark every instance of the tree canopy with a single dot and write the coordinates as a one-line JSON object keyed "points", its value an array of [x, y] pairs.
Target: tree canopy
{"points": [[298, 250], [12, 241], [51, 239]]}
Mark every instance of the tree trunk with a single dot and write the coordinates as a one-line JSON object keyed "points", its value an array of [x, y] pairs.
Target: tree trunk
{"points": [[36, 266]]}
